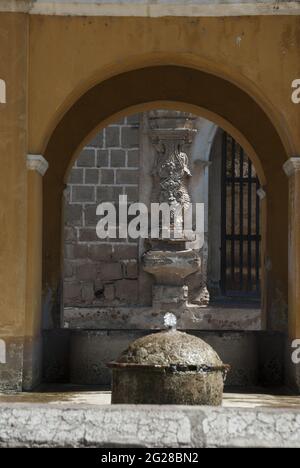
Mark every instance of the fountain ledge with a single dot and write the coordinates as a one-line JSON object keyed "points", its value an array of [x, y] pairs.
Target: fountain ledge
{"points": [[192, 317]]}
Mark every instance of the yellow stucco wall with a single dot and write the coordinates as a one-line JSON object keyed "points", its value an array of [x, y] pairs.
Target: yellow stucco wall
{"points": [[13, 174], [69, 55], [50, 62], [260, 55]]}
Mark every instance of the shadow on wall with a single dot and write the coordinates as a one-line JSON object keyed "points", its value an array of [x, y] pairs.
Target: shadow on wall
{"points": [[81, 356]]}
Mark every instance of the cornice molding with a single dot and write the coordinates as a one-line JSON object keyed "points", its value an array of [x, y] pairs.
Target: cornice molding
{"points": [[261, 193], [37, 162], [291, 166], [15, 6], [149, 8]]}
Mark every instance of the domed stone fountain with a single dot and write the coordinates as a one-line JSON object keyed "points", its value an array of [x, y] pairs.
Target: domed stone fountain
{"points": [[169, 367]]}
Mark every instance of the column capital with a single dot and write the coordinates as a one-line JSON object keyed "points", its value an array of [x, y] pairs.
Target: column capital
{"points": [[291, 166], [37, 162], [261, 193]]}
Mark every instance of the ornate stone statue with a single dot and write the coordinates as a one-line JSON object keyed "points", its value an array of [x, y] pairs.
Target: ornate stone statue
{"points": [[171, 173], [171, 261]]}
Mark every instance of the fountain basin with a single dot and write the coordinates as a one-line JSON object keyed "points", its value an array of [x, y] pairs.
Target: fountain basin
{"points": [[169, 367]]}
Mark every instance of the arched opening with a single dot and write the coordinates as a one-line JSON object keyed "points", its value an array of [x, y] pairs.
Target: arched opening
{"points": [[119, 160], [188, 90]]}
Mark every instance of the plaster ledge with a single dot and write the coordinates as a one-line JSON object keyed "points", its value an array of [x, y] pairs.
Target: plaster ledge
{"points": [[193, 317], [151, 8], [37, 162], [291, 166]]}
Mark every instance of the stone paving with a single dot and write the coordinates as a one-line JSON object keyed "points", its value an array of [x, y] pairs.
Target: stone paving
{"points": [[75, 396]]}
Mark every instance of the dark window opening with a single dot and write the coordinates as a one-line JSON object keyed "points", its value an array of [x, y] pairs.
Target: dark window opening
{"points": [[240, 223]]}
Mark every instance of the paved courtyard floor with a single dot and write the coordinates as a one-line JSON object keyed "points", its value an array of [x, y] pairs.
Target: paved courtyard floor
{"points": [[72, 395]]}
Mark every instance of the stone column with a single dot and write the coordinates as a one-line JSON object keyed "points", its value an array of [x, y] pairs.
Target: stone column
{"points": [[37, 167], [292, 170], [170, 260], [13, 196], [214, 217], [199, 190], [195, 143]]}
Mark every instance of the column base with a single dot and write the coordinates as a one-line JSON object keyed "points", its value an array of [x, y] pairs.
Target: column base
{"points": [[32, 363], [292, 369], [11, 363], [20, 363]]}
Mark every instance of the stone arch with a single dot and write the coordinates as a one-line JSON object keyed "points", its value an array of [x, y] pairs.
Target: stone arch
{"points": [[186, 89]]}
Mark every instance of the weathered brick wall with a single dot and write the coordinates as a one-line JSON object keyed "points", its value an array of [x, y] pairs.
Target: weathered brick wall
{"points": [[101, 272]]}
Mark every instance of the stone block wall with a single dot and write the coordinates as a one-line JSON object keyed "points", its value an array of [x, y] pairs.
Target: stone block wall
{"points": [[101, 272]]}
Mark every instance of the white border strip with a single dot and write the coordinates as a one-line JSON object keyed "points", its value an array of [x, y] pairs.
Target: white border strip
{"points": [[15, 6], [152, 10]]}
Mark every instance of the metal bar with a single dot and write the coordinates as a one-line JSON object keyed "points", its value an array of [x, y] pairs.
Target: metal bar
{"points": [[232, 256], [171, 367], [257, 244], [241, 217], [223, 214], [245, 237], [249, 276], [237, 179]]}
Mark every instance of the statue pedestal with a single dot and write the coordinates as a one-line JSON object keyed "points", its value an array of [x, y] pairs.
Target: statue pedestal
{"points": [[167, 297]]}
